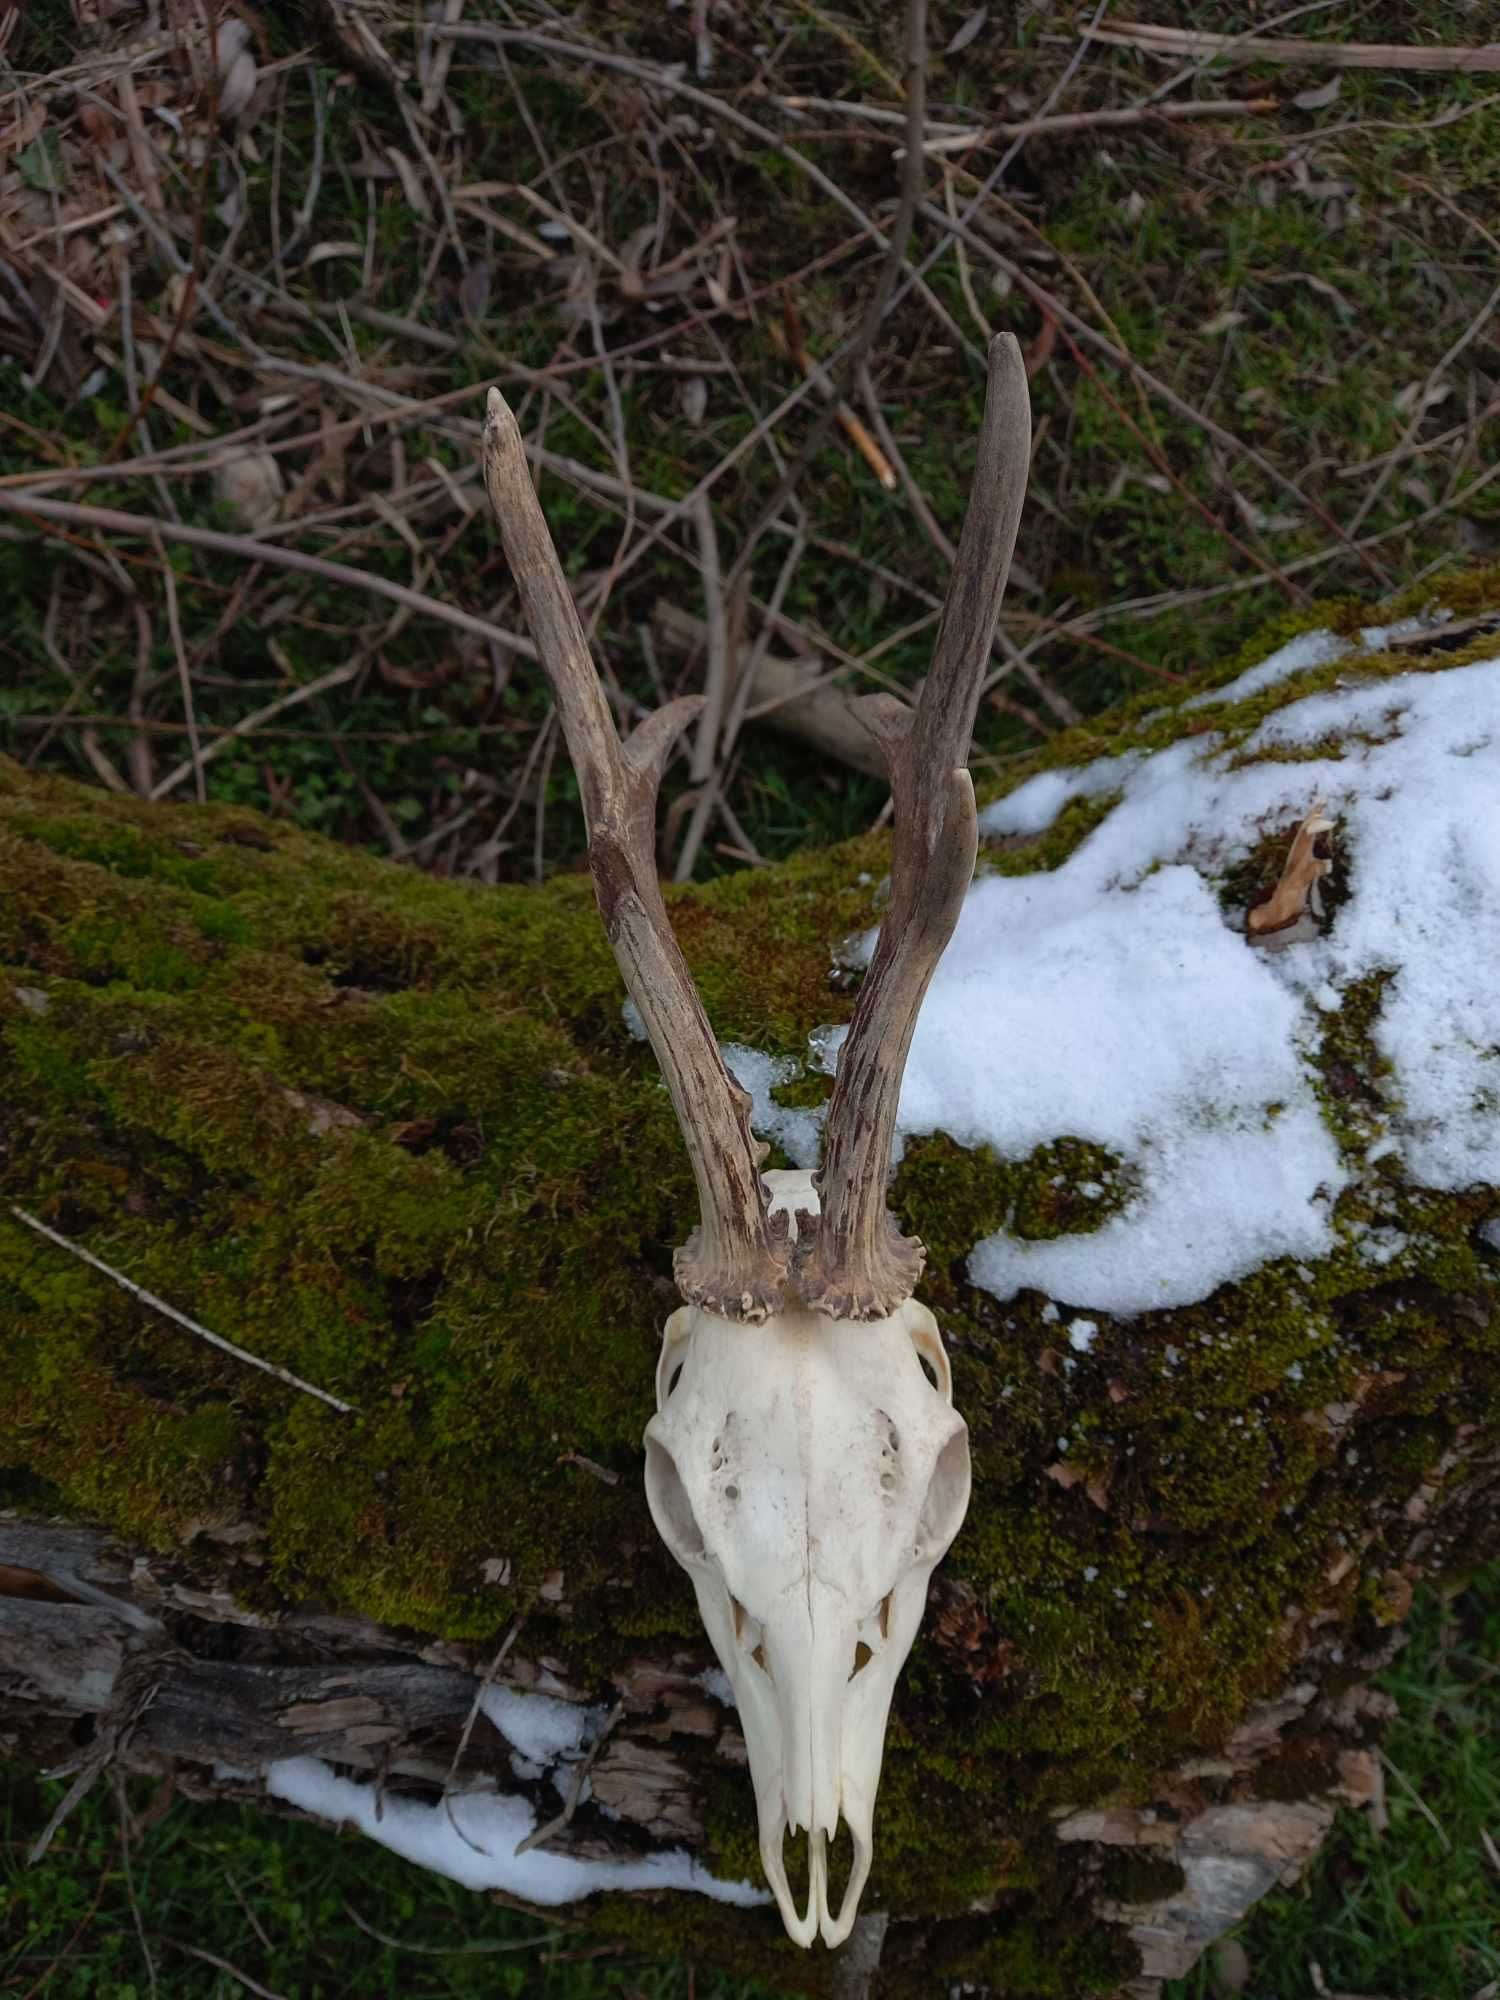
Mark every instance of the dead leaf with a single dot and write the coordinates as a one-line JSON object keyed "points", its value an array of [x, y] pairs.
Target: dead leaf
{"points": [[1431, 395], [1331, 292], [1293, 909], [18, 1582], [968, 32], [321, 252], [411, 184], [1257, 518], [693, 399], [1039, 353], [251, 488], [323, 1115], [1231, 1966], [474, 288], [1395, 1597], [1320, 96]]}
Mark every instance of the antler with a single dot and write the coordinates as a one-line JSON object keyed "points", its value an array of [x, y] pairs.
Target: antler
{"points": [[857, 1264], [735, 1262]]}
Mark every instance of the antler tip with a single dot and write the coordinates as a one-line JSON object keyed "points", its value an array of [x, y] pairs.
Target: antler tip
{"points": [[500, 427]]}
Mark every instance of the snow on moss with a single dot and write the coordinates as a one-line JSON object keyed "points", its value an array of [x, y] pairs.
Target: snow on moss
{"points": [[1314, 649], [1116, 998]]}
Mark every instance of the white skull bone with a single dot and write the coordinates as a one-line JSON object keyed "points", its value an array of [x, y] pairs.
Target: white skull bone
{"points": [[808, 1474]]}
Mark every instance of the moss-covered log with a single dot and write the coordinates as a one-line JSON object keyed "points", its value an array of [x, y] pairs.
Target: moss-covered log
{"points": [[394, 1134]]}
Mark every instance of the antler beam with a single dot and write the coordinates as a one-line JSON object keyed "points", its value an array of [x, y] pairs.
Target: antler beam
{"points": [[858, 1265], [735, 1261]]}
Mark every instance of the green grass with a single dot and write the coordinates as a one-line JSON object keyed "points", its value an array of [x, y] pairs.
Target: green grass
{"points": [[280, 1900], [1412, 1913]]}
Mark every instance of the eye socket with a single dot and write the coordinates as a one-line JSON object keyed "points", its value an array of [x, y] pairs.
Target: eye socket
{"points": [[934, 1360], [670, 1506], [947, 1497]]}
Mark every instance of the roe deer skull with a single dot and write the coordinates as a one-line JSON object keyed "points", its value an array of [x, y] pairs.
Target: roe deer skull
{"points": [[806, 1465], [808, 1479]]}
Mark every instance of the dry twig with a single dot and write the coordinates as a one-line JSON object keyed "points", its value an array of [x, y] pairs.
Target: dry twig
{"points": [[179, 1318], [1155, 39]]}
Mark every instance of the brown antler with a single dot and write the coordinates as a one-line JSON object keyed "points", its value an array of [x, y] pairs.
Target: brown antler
{"points": [[857, 1264], [735, 1261]]}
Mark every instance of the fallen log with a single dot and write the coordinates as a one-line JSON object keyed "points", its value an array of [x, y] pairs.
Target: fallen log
{"points": [[1229, 1369]]}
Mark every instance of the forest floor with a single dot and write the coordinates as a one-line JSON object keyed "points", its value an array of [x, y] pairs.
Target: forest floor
{"points": [[262, 297], [266, 297]]}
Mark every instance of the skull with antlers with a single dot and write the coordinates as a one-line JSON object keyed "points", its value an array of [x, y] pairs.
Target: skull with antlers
{"points": [[806, 1465]]}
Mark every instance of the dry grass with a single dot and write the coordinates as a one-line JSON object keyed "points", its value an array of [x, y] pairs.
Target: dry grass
{"points": [[259, 293]]}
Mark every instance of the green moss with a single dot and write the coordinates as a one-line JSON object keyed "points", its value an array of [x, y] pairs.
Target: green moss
{"points": [[954, 1195], [804, 1093], [1033, 854]]}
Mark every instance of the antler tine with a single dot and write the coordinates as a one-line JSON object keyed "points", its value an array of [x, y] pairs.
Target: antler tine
{"points": [[858, 1265], [735, 1261]]}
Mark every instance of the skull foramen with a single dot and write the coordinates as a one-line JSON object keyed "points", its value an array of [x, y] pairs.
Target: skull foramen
{"points": [[806, 1465]]}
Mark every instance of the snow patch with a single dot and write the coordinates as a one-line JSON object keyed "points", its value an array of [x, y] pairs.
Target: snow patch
{"points": [[538, 1726], [1113, 1000], [1315, 649], [798, 1133], [1031, 808], [719, 1687], [472, 1838]]}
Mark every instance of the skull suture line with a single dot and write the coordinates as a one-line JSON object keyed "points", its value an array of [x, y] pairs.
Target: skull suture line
{"points": [[806, 1465]]}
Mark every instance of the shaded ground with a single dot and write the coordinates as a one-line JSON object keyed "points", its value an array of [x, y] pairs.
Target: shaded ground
{"points": [[1307, 287]]}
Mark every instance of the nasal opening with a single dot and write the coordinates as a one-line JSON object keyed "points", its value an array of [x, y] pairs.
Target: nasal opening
{"points": [[811, 1875]]}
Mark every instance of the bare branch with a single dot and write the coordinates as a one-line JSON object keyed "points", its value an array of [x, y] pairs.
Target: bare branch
{"points": [[735, 1261], [857, 1264]]}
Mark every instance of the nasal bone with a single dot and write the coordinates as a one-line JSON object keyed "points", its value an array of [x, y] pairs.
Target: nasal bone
{"points": [[810, 1652], [810, 1655]]}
